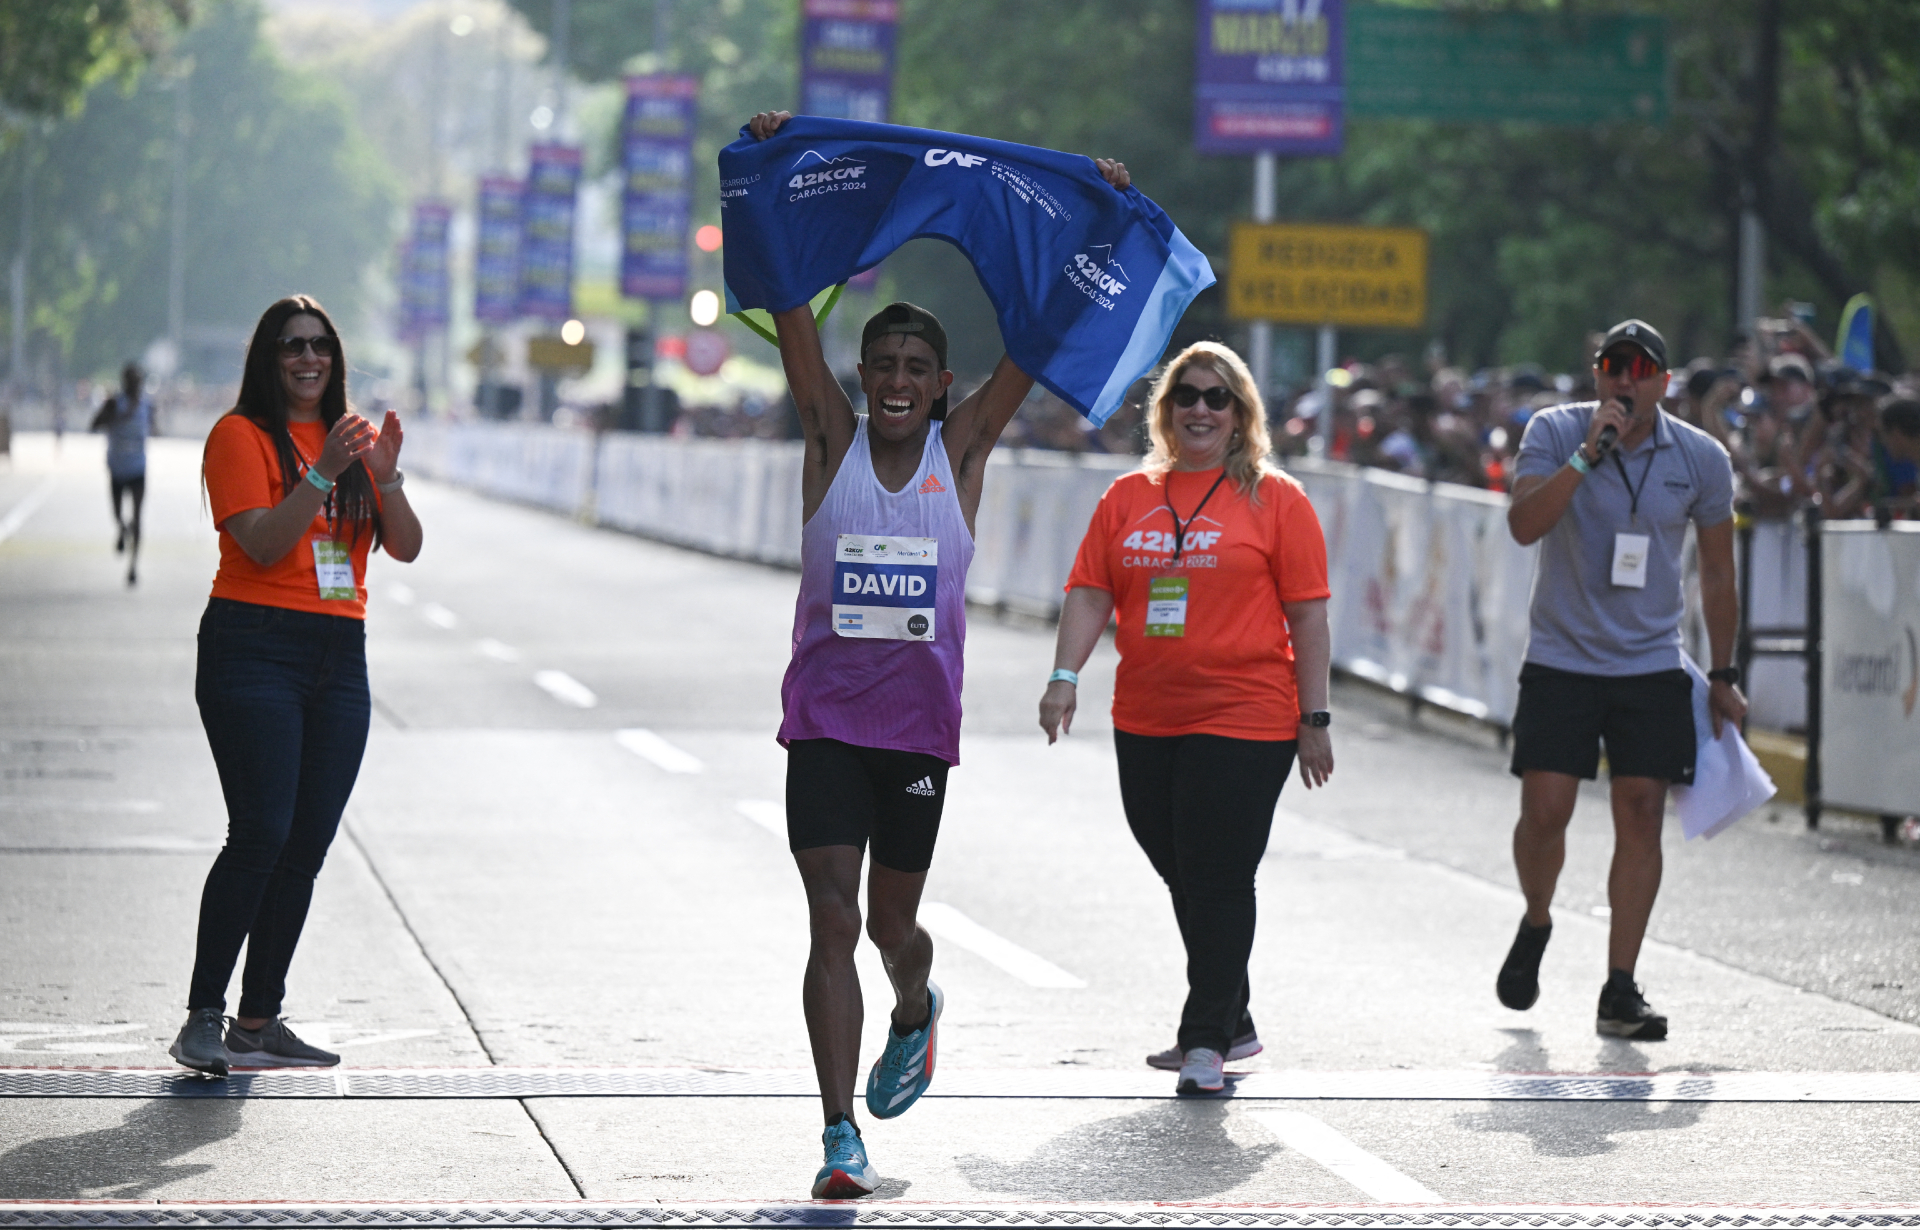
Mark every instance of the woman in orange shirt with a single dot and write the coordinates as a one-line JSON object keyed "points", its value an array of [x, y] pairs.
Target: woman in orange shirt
{"points": [[1217, 568], [301, 490]]}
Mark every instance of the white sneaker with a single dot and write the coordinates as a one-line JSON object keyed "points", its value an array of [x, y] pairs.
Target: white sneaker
{"points": [[1246, 1046], [1203, 1072]]}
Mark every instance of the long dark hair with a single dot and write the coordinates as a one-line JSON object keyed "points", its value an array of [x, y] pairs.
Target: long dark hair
{"points": [[263, 402]]}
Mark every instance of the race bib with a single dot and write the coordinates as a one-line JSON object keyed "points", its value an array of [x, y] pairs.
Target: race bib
{"points": [[1630, 560], [334, 569], [1167, 606], [883, 588]]}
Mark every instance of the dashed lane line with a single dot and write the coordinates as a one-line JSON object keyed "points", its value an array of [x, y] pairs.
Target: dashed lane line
{"points": [[401, 593], [1307, 1135], [439, 616], [499, 651], [28, 505], [1029, 967], [662, 754], [565, 689]]}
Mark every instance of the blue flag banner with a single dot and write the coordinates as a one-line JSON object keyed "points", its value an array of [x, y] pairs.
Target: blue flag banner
{"points": [[1854, 344], [423, 271], [546, 231], [657, 158], [496, 256], [1087, 282]]}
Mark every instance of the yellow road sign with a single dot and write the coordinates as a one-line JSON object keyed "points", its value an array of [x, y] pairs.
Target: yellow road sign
{"points": [[1352, 276], [550, 354]]}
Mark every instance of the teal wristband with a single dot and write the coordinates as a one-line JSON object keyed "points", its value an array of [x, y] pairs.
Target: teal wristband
{"points": [[319, 481], [1579, 462], [1062, 675]]}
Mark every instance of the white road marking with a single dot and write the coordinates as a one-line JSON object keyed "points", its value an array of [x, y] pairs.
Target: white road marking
{"points": [[566, 689], [321, 1034], [402, 594], [439, 616], [140, 807], [1305, 1134], [766, 813], [1295, 836], [956, 928], [499, 651], [29, 504], [14, 1033], [649, 746]]}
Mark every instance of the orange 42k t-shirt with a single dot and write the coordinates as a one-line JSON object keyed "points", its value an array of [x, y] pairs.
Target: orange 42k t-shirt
{"points": [[1204, 645]]}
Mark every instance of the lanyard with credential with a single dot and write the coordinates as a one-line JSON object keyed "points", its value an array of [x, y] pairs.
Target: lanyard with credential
{"points": [[1632, 491], [1180, 527]]}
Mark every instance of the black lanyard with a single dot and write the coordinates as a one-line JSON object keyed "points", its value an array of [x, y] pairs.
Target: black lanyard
{"points": [[1633, 491], [1179, 527]]}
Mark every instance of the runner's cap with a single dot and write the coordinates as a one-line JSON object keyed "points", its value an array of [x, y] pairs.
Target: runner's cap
{"points": [[1638, 333], [913, 322], [910, 320]]}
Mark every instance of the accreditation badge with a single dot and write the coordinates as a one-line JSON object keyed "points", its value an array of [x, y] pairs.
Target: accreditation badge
{"points": [[1167, 606], [333, 567], [1630, 560], [883, 588]]}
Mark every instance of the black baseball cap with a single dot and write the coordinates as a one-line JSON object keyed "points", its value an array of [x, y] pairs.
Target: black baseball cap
{"points": [[1636, 333], [902, 317]]}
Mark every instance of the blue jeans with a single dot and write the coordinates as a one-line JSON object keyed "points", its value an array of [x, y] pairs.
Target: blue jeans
{"points": [[283, 696]]}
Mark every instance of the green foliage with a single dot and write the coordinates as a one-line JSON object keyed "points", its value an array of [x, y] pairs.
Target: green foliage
{"points": [[51, 51], [282, 195]]}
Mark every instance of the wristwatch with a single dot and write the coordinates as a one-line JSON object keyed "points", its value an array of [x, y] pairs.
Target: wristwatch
{"points": [[1726, 674], [1318, 718]]}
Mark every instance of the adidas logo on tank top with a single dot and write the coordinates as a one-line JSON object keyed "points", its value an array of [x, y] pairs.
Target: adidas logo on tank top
{"points": [[931, 486], [923, 787]]}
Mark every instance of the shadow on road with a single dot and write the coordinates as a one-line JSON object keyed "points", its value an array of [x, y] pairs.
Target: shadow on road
{"points": [[1168, 1151], [134, 1158], [1576, 1129]]}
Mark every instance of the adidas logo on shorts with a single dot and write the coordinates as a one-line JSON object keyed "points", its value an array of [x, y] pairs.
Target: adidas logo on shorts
{"points": [[923, 787]]}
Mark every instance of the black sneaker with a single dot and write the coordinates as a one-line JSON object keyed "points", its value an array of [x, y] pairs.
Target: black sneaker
{"points": [[1519, 983], [201, 1045], [1624, 1012]]}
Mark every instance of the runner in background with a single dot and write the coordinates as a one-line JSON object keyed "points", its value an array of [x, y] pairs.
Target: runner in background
{"points": [[301, 490], [127, 418], [872, 697], [1217, 568]]}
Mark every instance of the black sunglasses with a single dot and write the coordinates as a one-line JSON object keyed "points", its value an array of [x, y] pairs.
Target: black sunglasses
{"points": [[1219, 397], [292, 346]]}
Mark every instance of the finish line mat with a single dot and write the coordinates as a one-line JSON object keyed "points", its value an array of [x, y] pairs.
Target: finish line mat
{"points": [[589, 1082], [901, 1213]]}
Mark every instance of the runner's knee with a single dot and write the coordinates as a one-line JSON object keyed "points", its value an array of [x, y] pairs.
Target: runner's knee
{"points": [[835, 925]]}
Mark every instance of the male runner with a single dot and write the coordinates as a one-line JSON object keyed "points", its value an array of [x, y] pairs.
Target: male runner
{"points": [[872, 697], [1607, 489], [127, 418]]}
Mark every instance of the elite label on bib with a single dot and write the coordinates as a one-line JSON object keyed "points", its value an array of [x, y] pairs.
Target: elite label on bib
{"points": [[334, 569], [883, 588], [1630, 560], [1167, 606]]}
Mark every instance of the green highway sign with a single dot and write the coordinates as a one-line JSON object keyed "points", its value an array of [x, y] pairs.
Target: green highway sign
{"points": [[1549, 68]]}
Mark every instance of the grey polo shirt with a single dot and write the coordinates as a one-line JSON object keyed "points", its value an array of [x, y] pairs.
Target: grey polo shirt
{"points": [[1582, 621]]}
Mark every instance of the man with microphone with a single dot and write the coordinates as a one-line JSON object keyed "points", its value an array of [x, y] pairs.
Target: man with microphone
{"points": [[1607, 489]]}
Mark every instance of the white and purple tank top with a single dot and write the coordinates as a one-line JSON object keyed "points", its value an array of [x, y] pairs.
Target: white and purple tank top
{"points": [[881, 624]]}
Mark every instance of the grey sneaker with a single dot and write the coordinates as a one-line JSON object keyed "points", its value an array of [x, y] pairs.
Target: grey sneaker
{"points": [[1246, 1046], [199, 1045], [273, 1045]]}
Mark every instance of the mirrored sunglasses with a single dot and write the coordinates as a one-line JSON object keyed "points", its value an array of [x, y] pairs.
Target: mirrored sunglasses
{"points": [[1635, 363], [1219, 397], [321, 346]]}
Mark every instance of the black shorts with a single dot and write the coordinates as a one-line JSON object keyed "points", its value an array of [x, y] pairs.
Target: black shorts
{"points": [[839, 794], [1645, 720]]}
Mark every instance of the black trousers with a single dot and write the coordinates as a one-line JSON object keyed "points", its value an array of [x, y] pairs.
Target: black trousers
{"points": [[283, 696], [1201, 806]]}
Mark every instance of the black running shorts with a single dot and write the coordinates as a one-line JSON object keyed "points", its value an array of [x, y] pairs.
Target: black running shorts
{"points": [[839, 794], [1646, 722]]}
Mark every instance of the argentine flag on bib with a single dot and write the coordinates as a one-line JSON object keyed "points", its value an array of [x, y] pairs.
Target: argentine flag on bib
{"points": [[1087, 281]]}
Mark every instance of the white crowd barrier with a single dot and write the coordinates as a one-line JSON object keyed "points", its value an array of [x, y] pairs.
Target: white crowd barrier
{"points": [[1430, 592], [1870, 684]]}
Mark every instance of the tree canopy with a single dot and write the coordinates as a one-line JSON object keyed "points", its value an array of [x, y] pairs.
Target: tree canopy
{"points": [[51, 51]]}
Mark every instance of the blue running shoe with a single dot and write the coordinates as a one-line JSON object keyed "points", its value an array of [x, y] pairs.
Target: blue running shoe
{"points": [[848, 1174], [905, 1067]]}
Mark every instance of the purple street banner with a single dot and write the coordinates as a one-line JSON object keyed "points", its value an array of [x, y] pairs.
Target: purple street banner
{"points": [[846, 58], [656, 143], [546, 231], [423, 271], [496, 257], [1267, 77]]}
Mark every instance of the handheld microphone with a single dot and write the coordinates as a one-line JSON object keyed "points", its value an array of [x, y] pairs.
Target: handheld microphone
{"points": [[1610, 435]]}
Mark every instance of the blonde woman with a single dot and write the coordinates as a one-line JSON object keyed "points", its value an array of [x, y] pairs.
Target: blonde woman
{"points": [[1217, 568]]}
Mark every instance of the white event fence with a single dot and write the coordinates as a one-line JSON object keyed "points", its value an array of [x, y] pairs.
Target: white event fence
{"points": [[1429, 590]]}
